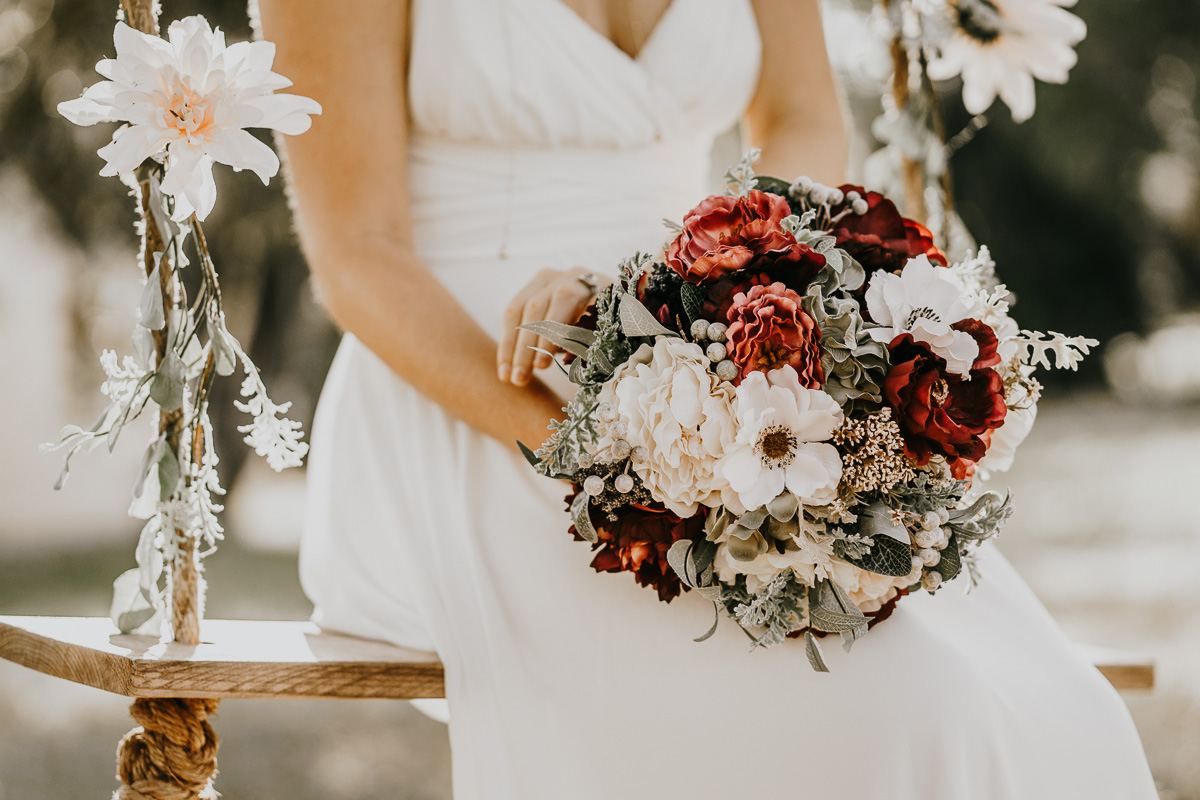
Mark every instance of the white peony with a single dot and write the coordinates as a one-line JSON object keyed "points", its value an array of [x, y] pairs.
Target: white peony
{"points": [[868, 590], [682, 414], [1000, 46], [782, 433], [192, 97], [925, 301]]}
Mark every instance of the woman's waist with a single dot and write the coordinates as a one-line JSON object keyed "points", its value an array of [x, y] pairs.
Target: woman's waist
{"points": [[479, 202]]}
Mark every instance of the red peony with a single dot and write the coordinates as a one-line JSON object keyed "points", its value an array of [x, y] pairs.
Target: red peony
{"points": [[725, 234], [769, 328], [938, 412], [638, 542], [882, 239]]}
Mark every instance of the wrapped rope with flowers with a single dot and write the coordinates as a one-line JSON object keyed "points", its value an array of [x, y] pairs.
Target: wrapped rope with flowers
{"points": [[787, 411], [185, 103]]}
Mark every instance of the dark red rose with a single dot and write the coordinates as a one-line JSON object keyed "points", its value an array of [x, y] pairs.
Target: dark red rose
{"points": [[725, 234], [939, 412], [882, 239], [638, 542], [768, 328], [985, 337]]}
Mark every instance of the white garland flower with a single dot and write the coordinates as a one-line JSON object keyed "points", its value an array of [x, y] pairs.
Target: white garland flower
{"points": [[192, 97], [925, 301], [676, 408], [782, 443], [1000, 46]]}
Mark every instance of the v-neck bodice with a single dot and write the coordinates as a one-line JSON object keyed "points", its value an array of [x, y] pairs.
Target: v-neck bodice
{"points": [[534, 73]]}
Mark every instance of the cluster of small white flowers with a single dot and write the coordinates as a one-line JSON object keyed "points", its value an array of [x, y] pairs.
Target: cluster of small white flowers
{"points": [[273, 436]]}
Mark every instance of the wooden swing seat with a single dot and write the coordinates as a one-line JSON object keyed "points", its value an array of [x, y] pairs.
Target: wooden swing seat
{"points": [[258, 659]]}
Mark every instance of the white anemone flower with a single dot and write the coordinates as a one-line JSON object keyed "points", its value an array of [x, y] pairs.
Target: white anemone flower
{"points": [[1000, 46], [925, 301], [782, 444], [188, 99]]}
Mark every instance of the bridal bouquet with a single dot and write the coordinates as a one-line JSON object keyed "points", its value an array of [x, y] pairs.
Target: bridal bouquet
{"points": [[785, 411]]}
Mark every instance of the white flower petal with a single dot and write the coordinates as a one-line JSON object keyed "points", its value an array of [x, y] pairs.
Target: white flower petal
{"points": [[287, 113], [241, 150], [130, 146], [816, 470]]}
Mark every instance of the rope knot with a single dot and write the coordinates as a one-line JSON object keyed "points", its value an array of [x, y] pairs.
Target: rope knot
{"points": [[172, 756]]}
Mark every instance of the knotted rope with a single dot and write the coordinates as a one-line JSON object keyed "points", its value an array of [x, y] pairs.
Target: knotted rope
{"points": [[172, 756]]}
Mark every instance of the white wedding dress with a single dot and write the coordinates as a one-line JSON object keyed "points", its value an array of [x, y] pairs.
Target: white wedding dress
{"points": [[537, 143]]}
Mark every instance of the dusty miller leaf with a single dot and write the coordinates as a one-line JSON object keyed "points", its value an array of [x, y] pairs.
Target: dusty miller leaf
{"points": [[637, 321], [813, 651]]}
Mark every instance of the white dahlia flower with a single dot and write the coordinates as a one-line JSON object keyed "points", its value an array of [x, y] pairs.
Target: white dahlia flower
{"points": [[192, 97], [682, 414], [782, 433], [925, 301], [1000, 46]]}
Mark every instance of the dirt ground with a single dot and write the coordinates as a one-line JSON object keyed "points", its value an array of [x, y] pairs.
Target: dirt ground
{"points": [[1105, 532]]}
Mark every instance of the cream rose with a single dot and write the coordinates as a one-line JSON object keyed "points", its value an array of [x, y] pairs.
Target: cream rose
{"points": [[682, 414]]}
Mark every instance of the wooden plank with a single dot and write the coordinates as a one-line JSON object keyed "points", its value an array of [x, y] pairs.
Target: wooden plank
{"points": [[286, 660], [234, 659], [1124, 670]]}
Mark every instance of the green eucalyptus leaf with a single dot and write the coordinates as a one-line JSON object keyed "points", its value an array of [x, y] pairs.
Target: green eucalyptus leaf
{"points": [[950, 563], [636, 320], [130, 609], [560, 335], [813, 651], [581, 516], [225, 358], [886, 557], [166, 388], [530, 456], [693, 301], [150, 310], [829, 621], [677, 557], [169, 474], [716, 621]]}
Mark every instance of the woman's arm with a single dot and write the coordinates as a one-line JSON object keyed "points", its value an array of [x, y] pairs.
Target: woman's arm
{"points": [[796, 114], [350, 178]]}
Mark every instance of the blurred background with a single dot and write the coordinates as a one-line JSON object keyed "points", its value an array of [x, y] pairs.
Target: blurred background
{"points": [[1092, 211]]}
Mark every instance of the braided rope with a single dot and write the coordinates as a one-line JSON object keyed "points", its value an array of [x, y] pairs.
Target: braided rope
{"points": [[172, 756]]}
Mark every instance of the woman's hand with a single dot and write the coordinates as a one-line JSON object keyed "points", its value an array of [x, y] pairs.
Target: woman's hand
{"points": [[556, 295]]}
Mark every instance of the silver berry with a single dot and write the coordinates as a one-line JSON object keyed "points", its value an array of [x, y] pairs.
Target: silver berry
{"points": [[716, 352], [836, 196], [931, 580], [619, 429], [929, 557], [727, 370], [639, 454], [586, 459], [700, 329], [621, 448], [859, 207], [623, 483], [924, 538], [931, 520], [716, 332], [594, 485], [606, 412], [801, 186], [852, 196]]}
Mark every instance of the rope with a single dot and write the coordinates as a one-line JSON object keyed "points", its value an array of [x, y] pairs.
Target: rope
{"points": [[172, 756]]}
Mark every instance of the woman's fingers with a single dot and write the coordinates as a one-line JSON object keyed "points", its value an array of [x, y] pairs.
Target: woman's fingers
{"points": [[523, 355], [513, 318], [567, 301]]}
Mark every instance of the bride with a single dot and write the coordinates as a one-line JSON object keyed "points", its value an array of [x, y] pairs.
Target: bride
{"points": [[475, 159]]}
